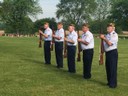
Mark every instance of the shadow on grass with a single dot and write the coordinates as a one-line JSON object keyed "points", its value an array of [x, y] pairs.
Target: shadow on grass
{"points": [[98, 82], [33, 61], [63, 72]]}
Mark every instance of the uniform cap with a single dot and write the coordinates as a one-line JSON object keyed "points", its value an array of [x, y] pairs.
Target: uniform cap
{"points": [[111, 25]]}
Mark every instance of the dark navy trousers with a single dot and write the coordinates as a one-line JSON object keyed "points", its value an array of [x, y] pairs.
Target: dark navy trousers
{"points": [[71, 54], [59, 54], [87, 60], [111, 67], [47, 52]]}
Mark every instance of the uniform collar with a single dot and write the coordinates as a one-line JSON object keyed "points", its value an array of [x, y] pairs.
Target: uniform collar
{"points": [[85, 33], [60, 29], [47, 28], [111, 33], [72, 32]]}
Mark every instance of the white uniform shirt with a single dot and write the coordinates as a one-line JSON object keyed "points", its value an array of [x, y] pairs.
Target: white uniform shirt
{"points": [[48, 32], [72, 36], [113, 38], [60, 33], [87, 37]]}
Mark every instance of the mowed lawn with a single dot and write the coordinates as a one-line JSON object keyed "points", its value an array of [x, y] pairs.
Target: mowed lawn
{"points": [[23, 72]]}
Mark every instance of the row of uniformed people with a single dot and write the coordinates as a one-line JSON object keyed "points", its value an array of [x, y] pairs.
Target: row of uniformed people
{"points": [[87, 45]]}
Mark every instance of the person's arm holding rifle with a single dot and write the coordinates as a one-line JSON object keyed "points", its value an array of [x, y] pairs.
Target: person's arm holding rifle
{"points": [[44, 35]]}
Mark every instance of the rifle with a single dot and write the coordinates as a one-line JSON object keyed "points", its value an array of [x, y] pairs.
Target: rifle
{"points": [[40, 37], [65, 46], [101, 57], [53, 32], [79, 49]]}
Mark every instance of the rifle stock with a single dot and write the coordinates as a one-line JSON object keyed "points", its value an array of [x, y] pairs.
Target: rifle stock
{"points": [[79, 49], [65, 46], [40, 39], [52, 43], [101, 58]]}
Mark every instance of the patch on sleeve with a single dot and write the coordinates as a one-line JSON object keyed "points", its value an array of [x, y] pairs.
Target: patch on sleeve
{"points": [[114, 35], [87, 35]]}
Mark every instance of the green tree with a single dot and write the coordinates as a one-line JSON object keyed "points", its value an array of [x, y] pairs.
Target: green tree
{"points": [[16, 14], [101, 14], [75, 11], [103, 9], [119, 14], [39, 23], [98, 24]]}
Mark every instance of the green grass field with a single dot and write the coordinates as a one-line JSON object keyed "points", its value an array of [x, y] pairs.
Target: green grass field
{"points": [[23, 72]]}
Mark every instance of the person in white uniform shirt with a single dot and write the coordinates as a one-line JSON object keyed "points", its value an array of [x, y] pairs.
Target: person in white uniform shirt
{"points": [[47, 43], [59, 39], [71, 48], [110, 46], [87, 45]]}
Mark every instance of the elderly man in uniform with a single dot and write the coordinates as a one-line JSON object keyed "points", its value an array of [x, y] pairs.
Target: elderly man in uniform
{"points": [[110, 46], [59, 39], [47, 42], [71, 48], [87, 45]]}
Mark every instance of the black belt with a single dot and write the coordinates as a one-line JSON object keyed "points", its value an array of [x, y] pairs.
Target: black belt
{"points": [[47, 41], [111, 50], [58, 42], [71, 46], [88, 49]]}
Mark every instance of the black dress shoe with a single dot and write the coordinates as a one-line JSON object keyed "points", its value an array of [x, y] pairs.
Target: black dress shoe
{"points": [[112, 86], [87, 77], [47, 63], [72, 71], [59, 67], [107, 84]]}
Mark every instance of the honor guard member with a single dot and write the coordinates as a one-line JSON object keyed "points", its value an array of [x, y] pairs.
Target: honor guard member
{"points": [[47, 43], [71, 48], [59, 39], [87, 45], [110, 46]]}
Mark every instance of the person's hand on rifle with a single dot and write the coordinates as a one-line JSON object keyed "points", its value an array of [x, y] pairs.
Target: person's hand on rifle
{"points": [[80, 40], [40, 32], [69, 41], [102, 36], [83, 42], [56, 37], [53, 36], [46, 36], [105, 39], [66, 39]]}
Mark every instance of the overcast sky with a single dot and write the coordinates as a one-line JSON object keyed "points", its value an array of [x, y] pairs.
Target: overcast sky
{"points": [[49, 8]]}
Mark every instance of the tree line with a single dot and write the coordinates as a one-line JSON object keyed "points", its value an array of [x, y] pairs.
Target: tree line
{"points": [[15, 15]]}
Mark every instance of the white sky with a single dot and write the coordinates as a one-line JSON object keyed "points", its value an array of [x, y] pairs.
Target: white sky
{"points": [[49, 8]]}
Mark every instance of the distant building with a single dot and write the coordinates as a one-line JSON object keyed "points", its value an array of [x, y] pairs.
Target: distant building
{"points": [[2, 32], [125, 32]]}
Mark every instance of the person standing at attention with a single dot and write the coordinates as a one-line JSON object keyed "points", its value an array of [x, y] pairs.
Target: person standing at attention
{"points": [[71, 48], [59, 39], [87, 45], [47, 42], [110, 46]]}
